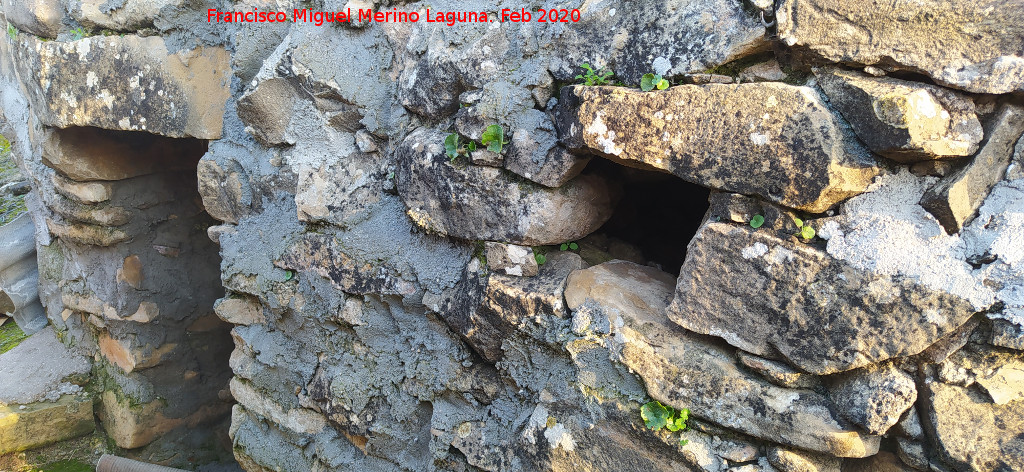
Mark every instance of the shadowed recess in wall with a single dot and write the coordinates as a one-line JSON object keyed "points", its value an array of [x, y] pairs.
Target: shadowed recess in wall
{"points": [[657, 214]]}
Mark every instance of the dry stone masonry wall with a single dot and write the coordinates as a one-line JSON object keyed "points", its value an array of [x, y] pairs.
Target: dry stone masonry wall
{"points": [[404, 290]]}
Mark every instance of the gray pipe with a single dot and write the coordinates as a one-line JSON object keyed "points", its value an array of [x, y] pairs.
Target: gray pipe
{"points": [[109, 463]]}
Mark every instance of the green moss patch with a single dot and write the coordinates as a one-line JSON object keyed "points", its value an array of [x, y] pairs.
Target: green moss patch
{"points": [[10, 335]]}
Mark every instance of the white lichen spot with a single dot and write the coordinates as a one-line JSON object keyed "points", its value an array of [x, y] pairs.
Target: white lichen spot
{"points": [[759, 139], [107, 99], [91, 79], [782, 255], [781, 400], [604, 137], [558, 436], [772, 102], [661, 65], [124, 123], [757, 250], [611, 12]]}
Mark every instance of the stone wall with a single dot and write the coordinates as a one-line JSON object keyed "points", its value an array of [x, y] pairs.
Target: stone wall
{"points": [[405, 297]]}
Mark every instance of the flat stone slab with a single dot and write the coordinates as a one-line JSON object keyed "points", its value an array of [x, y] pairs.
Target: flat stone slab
{"points": [[771, 295], [38, 424], [127, 83], [36, 370], [976, 46], [773, 140]]}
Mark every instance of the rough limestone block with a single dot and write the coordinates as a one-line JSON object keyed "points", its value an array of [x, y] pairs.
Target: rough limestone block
{"points": [[955, 200], [685, 371], [39, 424], [773, 140], [972, 433], [904, 121], [485, 203], [668, 38], [39, 17], [82, 192], [768, 295], [128, 83], [874, 397], [972, 45]]}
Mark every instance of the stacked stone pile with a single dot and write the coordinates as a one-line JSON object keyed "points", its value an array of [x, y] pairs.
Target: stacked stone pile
{"points": [[852, 298]]}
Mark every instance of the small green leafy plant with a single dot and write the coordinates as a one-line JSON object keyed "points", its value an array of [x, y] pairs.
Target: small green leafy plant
{"points": [[806, 230], [540, 256], [493, 138], [569, 247], [653, 81], [12, 32], [757, 221], [453, 146], [592, 77], [657, 416], [78, 33]]}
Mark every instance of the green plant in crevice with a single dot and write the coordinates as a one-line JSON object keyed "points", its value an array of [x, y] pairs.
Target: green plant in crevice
{"points": [[78, 33], [12, 31], [540, 255], [806, 230], [653, 81], [657, 416], [592, 77], [453, 146], [493, 138], [572, 246], [757, 221]]}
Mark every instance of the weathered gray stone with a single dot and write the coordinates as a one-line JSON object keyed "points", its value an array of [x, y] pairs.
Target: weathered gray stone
{"points": [[510, 259], [769, 71], [955, 200], [486, 157], [777, 295], [684, 371], [39, 17], [639, 37], [904, 121], [789, 460], [873, 397], [776, 372], [40, 369], [966, 44], [431, 87], [910, 425], [128, 83], [912, 453], [267, 111], [773, 140], [972, 433], [1007, 334], [484, 203], [124, 15], [556, 168], [487, 309]]}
